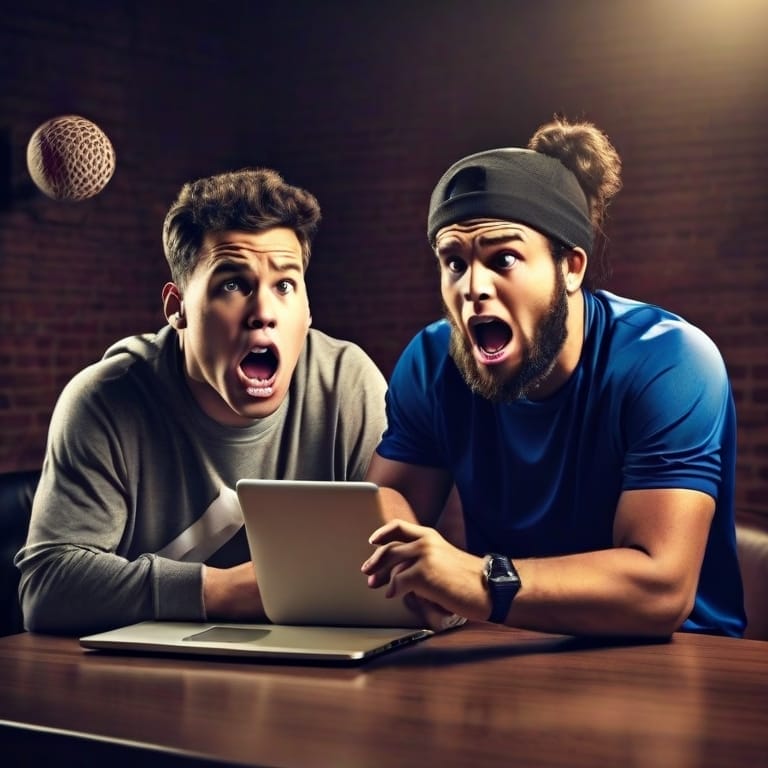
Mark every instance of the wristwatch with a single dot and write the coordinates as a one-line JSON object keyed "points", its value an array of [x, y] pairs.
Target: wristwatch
{"points": [[503, 583]]}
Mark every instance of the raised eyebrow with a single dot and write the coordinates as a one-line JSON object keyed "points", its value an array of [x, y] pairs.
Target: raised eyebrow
{"points": [[237, 267], [227, 267], [454, 245], [287, 266], [451, 248], [501, 239]]}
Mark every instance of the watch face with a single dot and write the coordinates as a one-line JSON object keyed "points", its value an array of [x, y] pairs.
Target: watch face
{"points": [[503, 584], [500, 570]]}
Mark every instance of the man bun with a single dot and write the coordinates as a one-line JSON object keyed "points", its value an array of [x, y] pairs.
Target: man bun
{"points": [[588, 153]]}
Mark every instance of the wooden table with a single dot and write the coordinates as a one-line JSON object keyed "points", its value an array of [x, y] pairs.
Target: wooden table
{"points": [[478, 696]]}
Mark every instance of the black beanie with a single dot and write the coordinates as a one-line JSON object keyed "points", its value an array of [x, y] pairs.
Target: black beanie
{"points": [[517, 185]]}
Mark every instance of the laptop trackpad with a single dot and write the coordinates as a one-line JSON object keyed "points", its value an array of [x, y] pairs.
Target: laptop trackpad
{"points": [[229, 635]]}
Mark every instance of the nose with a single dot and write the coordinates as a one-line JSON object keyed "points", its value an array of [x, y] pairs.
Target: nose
{"points": [[261, 312], [478, 283]]}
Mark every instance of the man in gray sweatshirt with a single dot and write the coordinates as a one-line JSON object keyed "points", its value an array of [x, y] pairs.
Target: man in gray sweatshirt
{"points": [[136, 517]]}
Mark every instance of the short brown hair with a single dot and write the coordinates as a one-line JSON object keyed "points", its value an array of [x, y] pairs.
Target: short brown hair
{"points": [[249, 200]]}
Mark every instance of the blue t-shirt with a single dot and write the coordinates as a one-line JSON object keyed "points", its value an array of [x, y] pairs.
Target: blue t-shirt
{"points": [[648, 406]]}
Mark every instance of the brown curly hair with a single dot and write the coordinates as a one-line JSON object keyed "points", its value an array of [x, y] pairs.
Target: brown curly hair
{"points": [[249, 200]]}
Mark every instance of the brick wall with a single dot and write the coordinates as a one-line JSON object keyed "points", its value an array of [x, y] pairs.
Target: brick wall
{"points": [[366, 104]]}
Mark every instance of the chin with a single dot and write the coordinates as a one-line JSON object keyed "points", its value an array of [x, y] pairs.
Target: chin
{"points": [[242, 411], [261, 409]]}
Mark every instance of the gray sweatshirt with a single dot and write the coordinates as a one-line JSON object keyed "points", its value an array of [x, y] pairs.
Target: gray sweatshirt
{"points": [[137, 489]]}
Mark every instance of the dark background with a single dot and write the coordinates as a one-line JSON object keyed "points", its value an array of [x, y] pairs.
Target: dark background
{"points": [[365, 104]]}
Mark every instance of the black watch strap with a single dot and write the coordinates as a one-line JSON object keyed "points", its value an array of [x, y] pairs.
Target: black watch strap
{"points": [[503, 583]]}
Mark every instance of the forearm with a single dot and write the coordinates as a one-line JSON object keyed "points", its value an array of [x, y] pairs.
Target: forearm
{"points": [[645, 585], [72, 590], [617, 591]]}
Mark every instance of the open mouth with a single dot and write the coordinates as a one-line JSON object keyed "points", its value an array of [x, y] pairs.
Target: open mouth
{"points": [[260, 366], [491, 336]]}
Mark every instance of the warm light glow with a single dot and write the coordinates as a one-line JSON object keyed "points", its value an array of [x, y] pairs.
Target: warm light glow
{"points": [[715, 23]]}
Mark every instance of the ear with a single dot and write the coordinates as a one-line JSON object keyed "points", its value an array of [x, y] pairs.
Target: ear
{"points": [[173, 306], [574, 269]]}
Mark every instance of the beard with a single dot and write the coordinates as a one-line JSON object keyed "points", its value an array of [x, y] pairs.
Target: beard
{"points": [[539, 355]]}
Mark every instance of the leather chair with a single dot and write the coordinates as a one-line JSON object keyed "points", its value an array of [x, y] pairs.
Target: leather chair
{"points": [[752, 545], [16, 492]]}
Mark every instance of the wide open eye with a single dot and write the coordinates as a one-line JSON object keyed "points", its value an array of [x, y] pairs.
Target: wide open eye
{"points": [[506, 260], [234, 285], [455, 265]]}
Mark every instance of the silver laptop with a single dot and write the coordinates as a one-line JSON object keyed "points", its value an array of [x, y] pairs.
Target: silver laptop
{"points": [[308, 540], [257, 641]]}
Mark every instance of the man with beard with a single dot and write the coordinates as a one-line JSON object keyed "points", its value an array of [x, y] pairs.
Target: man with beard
{"points": [[590, 438], [136, 515]]}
